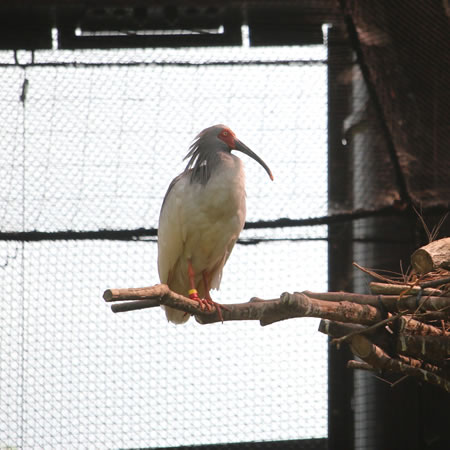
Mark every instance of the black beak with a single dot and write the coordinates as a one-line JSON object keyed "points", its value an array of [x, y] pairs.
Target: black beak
{"points": [[238, 145]]}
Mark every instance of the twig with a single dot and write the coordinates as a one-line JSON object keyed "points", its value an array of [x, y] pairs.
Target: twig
{"points": [[437, 282], [134, 305], [397, 289], [347, 337], [391, 303], [360, 365], [378, 358], [149, 297], [410, 325], [373, 273], [434, 348], [425, 226], [343, 331], [421, 365]]}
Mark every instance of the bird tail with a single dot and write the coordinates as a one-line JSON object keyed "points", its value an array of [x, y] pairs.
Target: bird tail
{"points": [[175, 315]]}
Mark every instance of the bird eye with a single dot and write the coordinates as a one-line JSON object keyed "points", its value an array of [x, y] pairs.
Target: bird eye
{"points": [[224, 133]]}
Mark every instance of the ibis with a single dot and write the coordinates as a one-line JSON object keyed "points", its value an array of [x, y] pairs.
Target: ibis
{"points": [[202, 215]]}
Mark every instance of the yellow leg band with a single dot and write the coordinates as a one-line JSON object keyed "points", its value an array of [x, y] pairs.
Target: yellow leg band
{"points": [[193, 291]]}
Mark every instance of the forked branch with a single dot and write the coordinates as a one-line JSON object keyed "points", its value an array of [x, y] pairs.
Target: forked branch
{"points": [[288, 306]]}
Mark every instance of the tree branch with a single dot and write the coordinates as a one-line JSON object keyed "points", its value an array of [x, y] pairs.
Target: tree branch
{"points": [[150, 297], [421, 349], [339, 306], [392, 303], [379, 359], [434, 348], [266, 311], [397, 289]]}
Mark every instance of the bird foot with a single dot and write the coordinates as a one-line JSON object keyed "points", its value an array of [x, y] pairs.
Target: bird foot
{"points": [[207, 303], [210, 302], [202, 302]]}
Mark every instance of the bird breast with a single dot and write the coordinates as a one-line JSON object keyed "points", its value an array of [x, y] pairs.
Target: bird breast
{"points": [[201, 222], [213, 214]]}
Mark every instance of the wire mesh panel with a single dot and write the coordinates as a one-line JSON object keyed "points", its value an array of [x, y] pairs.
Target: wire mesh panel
{"points": [[91, 141]]}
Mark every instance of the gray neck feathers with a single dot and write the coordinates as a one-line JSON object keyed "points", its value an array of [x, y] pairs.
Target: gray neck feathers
{"points": [[204, 158]]}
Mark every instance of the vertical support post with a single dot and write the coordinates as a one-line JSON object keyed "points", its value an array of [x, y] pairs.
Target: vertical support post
{"points": [[340, 249]]}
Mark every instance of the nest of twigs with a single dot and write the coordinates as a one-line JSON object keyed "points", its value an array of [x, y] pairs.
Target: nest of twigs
{"points": [[413, 338]]}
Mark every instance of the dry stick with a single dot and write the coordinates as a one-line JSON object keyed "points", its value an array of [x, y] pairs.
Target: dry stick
{"points": [[360, 365], [434, 348], [298, 305], [338, 329], [373, 273], [143, 293], [379, 359], [347, 331], [444, 314], [149, 297], [392, 303], [437, 282], [135, 305], [421, 365], [361, 299], [406, 323], [357, 309], [396, 289], [339, 341], [344, 331], [391, 287], [267, 312]]}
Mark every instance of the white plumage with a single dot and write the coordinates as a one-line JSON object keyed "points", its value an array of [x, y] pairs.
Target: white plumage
{"points": [[202, 215]]}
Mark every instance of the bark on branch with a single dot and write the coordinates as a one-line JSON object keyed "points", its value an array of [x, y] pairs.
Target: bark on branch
{"points": [[340, 306], [433, 348], [288, 306], [392, 303], [379, 359]]}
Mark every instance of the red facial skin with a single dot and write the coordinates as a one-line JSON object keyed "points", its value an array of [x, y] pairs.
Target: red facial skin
{"points": [[227, 136]]}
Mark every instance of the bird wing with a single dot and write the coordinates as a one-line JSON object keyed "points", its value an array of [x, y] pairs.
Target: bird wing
{"points": [[216, 273], [171, 243], [170, 238]]}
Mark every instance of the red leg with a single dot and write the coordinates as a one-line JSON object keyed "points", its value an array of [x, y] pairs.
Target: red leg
{"points": [[208, 298], [207, 302], [206, 285], [193, 294]]}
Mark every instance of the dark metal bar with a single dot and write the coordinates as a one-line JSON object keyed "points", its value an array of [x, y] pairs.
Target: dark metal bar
{"points": [[340, 244]]}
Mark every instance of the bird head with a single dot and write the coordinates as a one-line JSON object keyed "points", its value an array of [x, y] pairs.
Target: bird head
{"points": [[212, 140]]}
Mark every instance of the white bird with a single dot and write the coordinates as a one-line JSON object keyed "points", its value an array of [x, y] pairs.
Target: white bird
{"points": [[202, 215]]}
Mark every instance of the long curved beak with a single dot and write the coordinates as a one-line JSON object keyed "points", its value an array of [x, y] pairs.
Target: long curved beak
{"points": [[240, 146]]}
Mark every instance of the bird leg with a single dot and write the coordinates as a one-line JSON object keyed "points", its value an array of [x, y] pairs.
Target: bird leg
{"points": [[193, 293], [208, 298], [207, 302]]}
